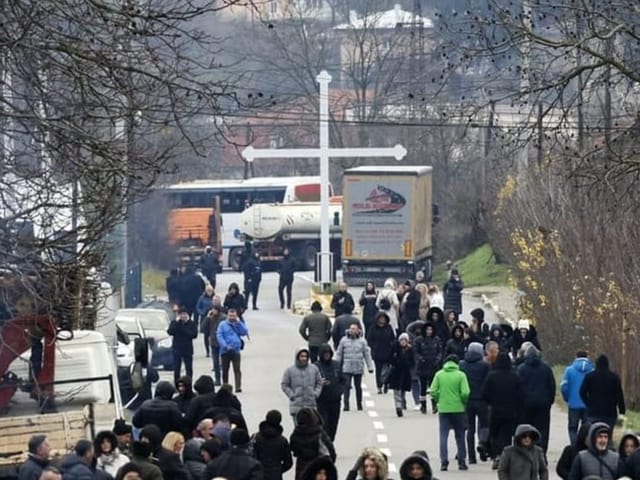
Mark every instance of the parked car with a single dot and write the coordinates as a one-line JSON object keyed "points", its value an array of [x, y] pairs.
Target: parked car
{"points": [[154, 324]]}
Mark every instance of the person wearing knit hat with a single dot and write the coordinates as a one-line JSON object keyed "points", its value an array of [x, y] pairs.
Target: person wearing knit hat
{"points": [[315, 328], [271, 448], [235, 463], [477, 410], [402, 361]]}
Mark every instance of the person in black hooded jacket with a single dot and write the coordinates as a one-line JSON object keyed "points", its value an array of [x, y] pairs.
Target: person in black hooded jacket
{"points": [[539, 390], [234, 299], [271, 448], [322, 466], [503, 393], [168, 462], [328, 403], [309, 441], [193, 460], [160, 411], [601, 392], [381, 339], [435, 315], [227, 404], [427, 349], [570, 452], [455, 345], [476, 370], [416, 467], [206, 390], [185, 394]]}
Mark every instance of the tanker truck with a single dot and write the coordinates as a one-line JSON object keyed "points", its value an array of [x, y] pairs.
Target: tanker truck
{"points": [[272, 227], [388, 216]]}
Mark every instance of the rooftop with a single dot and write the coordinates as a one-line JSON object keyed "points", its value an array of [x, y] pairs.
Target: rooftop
{"points": [[388, 19]]}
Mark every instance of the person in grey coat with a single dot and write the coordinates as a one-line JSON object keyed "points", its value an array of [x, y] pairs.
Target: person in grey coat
{"points": [[301, 383], [597, 460], [352, 353], [524, 459], [315, 329]]}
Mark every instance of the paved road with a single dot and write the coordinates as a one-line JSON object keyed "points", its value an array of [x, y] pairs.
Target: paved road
{"points": [[274, 337]]}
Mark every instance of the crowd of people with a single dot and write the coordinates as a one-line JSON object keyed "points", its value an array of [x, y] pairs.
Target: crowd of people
{"points": [[487, 383]]}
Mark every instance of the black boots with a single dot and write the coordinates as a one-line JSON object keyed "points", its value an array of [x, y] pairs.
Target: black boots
{"points": [[423, 406]]}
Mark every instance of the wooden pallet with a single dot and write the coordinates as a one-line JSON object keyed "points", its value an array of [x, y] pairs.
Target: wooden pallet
{"points": [[62, 429]]}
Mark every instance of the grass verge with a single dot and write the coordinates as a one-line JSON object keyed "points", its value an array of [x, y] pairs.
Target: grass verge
{"points": [[153, 281], [477, 269]]}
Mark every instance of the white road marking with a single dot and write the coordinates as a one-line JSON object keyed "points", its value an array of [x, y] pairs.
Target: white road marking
{"points": [[366, 394], [372, 413], [364, 386], [382, 438], [386, 451], [392, 468], [378, 425], [369, 403]]}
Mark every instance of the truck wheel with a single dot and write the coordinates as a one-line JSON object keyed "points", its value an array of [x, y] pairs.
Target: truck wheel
{"points": [[235, 259], [309, 257]]}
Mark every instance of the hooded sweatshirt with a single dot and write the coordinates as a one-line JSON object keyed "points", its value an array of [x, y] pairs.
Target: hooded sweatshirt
{"points": [[601, 391], [160, 411], [450, 389], [302, 384], [503, 389], [273, 450], [538, 382], [381, 339], [333, 383], [518, 462], [184, 399], [421, 457], [476, 370], [572, 380], [602, 464]]}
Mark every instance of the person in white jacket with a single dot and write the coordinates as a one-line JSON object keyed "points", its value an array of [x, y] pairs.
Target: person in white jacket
{"points": [[436, 299], [108, 456], [388, 298]]}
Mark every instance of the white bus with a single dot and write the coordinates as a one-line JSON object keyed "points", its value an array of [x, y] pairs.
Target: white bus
{"points": [[191, 205]]}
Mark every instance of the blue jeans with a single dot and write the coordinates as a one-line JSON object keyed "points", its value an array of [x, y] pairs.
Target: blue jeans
{"points": [[455, 421], [577, 416]]}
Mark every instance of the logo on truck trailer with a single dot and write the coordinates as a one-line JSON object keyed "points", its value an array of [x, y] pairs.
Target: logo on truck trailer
{"points": [[380, 200]]}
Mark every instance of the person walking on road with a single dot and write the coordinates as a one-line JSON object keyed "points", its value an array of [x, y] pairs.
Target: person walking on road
{"points": [[332, 387], [341, 300], [416, 467], [570, 452], [524, 459], [502, 391], [388, 302], [601, 392], [161, 411], [210, 264], [450, 390], [309, 441], [214, 317], [476, 370], [252, 277], [229, 336], [570, 388], [539, 390], [353, 353], [184, 331], [368, 300], [271, 448], [173, 287], [597, 461], [453, 292], [286, 271], [315, 328], [428, 357], [301, 383], [236, 463], [235, 300], [381, 339], [342, 323], [371, 465], [205, 302], [402, 363]]}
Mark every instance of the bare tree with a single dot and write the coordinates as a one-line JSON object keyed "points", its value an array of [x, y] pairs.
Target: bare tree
{"points": [[96, 98]]}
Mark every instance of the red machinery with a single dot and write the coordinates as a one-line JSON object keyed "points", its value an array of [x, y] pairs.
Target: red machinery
{"points": [[17, 335]]}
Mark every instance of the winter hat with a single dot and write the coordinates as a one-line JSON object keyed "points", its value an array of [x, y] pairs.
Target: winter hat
{"points": [[523, 324], [451, 358], [164, 390], [476, 347], [602, 361], [239, 437], [404, 336], [316, 306], [273, 417], [120, 427], [204, 384], [478, 314]]}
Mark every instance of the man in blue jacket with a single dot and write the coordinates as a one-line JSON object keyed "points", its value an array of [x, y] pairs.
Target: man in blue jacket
{"points": [[183, 330], [570, 389], [229, 336]]}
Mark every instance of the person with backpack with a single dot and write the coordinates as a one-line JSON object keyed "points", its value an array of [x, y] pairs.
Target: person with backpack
{"points": [[388, 302], [597, 461]]}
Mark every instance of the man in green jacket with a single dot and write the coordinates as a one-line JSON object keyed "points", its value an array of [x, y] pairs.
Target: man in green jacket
{"points": [[450, 390]]}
